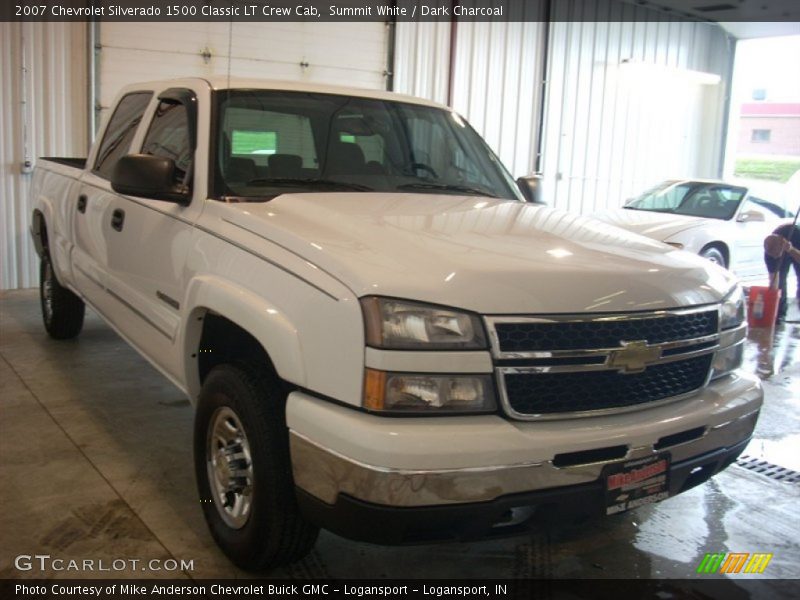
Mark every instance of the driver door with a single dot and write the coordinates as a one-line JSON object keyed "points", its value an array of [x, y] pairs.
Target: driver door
{"points": [[151, 237]]}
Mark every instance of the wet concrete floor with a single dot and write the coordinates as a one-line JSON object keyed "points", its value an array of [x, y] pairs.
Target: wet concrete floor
{"points": [[95, 461]]}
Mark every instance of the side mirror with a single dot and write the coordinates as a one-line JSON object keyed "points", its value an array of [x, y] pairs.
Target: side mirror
{"points": [[531, 188], [751, 216], [148, 176]]}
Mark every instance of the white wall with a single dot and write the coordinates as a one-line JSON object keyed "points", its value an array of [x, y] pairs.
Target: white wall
{"points": [[352, 54], [51, 122], [608, 131], [421, 61], [606, 135], [497, 87], [496, 80], [627, 107]]}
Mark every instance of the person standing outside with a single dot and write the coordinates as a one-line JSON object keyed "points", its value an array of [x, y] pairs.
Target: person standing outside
{"points": [[782, 250]]}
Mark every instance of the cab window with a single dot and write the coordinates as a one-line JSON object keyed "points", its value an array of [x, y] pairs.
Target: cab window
{"points": [[168, 137], [120, 131]]}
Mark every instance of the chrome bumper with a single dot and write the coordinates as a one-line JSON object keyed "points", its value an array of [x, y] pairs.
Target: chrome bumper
{"points": [[325, 474]]}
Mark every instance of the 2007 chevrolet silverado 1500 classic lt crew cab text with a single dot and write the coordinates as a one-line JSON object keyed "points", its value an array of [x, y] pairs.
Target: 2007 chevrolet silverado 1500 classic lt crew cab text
{"points": [[380, 336]]}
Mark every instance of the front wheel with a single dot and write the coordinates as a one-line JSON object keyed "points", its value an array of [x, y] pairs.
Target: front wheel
{"points": [[715, 256], [62, 310], [243, 470]]}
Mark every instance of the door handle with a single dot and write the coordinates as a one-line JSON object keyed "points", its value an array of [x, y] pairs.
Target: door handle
{"points": [[82, 200], [118, 219]]}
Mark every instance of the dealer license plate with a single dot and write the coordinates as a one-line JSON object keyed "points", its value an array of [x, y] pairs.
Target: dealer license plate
{"points": [[637, 482]]}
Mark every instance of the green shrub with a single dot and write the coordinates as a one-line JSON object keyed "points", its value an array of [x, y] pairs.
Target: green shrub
{"points": [[766, 168]]}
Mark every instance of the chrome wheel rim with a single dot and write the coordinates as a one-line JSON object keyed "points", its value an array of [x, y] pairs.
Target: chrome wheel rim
{"points": [[230, 467], [47, 291]]}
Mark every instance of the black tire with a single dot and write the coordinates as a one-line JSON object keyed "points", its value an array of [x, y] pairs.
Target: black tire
{"points": [[273, 532], [715, 255], [62, 311]]}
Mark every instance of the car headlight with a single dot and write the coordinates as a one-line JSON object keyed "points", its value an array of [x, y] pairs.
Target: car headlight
{"points": [[403, 325], [731, 311], [731, 317], [428, 392]]}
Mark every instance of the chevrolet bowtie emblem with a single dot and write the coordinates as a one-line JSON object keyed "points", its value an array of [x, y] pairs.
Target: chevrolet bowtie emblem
{"points": [[634, 356]]}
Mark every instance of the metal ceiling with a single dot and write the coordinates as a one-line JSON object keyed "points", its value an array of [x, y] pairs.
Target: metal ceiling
{"points": [[741, 18]]}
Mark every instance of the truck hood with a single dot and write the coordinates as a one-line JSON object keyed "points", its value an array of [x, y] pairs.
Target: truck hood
{"points": [[659, 226], [485, 255]]}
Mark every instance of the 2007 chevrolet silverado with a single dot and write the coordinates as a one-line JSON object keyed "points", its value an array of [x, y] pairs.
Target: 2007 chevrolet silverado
{"points": [[379, 334]]}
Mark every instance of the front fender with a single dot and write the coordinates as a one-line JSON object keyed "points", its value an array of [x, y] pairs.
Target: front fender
{"points": [[261, 319], [694, 239]]}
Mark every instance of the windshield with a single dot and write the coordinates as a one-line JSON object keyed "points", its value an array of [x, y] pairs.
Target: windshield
{"points": [[276, 142], [691, 198]]}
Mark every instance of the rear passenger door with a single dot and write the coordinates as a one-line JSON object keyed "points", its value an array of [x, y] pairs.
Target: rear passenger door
{"points": [[151, 237]]}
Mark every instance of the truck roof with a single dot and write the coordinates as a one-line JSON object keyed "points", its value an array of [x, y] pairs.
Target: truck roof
{"points": [[222, 82]]}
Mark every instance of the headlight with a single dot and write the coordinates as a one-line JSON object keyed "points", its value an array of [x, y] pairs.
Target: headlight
{"points": [[731, 316], [731, 312], [403, 325], [428, 392]]}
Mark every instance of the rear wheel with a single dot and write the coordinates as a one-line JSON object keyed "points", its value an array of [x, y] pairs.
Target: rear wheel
{"points": [[243, 469], [62, 311], [715, 255]]}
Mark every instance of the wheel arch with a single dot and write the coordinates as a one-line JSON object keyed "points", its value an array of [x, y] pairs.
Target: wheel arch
{"points": [[42, 230], [722, 247], [225, 322], [39, 232]]}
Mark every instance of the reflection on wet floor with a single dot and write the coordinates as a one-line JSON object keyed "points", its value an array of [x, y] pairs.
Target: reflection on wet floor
{"points": [[728, 512], [774, 355], [774, 350]]}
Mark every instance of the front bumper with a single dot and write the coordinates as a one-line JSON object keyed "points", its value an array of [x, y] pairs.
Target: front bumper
{"points": [[505, 516], [351, 467]]}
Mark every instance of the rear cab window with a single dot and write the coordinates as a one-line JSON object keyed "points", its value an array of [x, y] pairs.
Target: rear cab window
{"points": [[258, 143]]}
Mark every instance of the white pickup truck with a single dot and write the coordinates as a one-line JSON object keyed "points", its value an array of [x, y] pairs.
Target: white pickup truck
{"points": [[380, 336]]}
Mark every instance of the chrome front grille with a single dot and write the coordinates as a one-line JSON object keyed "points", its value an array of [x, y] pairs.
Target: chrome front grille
{"points": [[576, 365], [586, 335], [552, 393]]}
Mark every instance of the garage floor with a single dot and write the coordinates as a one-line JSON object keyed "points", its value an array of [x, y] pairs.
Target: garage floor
{"points": [[95, 461]]}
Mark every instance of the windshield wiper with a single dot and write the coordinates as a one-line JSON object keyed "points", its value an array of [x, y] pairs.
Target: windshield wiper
{"points": [[447, 187], [289, 182]]}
